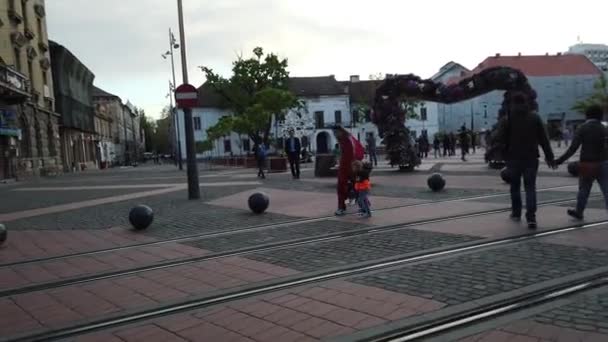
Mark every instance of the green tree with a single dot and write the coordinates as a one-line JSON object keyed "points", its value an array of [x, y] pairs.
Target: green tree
{"points": [[599, 97], [255, 93], [148, 127]]}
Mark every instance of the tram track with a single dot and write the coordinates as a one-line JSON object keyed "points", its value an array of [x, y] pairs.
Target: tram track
{"points": [[256, 249], [248, 291], [255, 228]]}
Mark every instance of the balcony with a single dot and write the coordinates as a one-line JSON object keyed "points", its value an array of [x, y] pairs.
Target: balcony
{"points": [[14, 86]]}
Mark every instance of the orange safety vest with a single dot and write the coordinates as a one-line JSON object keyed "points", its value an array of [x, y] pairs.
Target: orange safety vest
{"points": [[366, 185]]}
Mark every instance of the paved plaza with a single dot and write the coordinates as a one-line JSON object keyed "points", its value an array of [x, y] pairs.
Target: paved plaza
{"points": [[73, 269]]}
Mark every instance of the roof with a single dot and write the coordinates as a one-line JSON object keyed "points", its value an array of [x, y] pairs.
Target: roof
{"points": [[300, 86], [316, 86], [448, 67], [98, 92], [363, 92], [543, 65]]}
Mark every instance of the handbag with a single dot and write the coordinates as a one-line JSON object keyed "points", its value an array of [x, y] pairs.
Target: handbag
{"points": [[589, 169]]}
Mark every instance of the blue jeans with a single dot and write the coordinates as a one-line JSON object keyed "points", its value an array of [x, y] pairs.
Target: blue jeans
{"points": [[363, 201], [528, 169], [584, 188]]}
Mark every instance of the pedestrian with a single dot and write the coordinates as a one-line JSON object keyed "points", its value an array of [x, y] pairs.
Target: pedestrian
{"points": [[350, 150], [371, 149], [560, 137], [453, 144], [361, 172], [436, 146], [260, 155], [592, 137], [425, 146], [567, 136], [464, 143], [474, 137], [521, 133], [446, 145], [294, 149]]}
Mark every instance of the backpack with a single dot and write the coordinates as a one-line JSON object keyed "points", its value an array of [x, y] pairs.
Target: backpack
{"points": [[359, 150]]}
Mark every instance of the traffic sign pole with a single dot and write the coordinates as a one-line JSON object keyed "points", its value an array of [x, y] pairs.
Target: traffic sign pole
{"points": [[194, 191]]}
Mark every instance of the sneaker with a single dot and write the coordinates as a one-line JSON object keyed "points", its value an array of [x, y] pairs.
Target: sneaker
{"points": [[515, 217], [366, 215], [532, 224], [575, 214], [340, 212]]}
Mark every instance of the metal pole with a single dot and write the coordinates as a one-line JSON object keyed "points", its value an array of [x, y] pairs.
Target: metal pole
{"points": [[175, 114], [194, 191]]}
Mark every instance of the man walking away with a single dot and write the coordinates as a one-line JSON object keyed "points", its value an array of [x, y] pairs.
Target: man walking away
{"points": [[474, 137], [260, 155], [446, 145], [436, 146], [464, 143], [593, 164], [371, 149], [294, 149], [521, 134]]}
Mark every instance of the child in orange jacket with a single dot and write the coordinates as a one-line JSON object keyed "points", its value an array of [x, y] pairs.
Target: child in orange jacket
{"points": [[363, 186]]}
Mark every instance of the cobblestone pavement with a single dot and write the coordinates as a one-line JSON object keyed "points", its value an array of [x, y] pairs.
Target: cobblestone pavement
{"points": [[316, 311], [470, 277], [356, 249]]}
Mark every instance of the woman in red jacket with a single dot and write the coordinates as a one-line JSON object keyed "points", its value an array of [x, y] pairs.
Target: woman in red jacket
{"points": [[351, 150]]}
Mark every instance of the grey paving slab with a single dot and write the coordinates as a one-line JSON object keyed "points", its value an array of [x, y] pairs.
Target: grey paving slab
{"points": [[470, 277], [272, 235], [175, 215], [11, 201], [357, 249]]}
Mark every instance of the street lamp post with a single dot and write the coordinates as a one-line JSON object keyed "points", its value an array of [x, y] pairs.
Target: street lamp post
{"points": [[194, 191], [173, 45]]}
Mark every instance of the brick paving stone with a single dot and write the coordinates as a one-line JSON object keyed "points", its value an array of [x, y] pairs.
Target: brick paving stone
{"points": [[148, 333], [273, 235], [316, 256], [470, 277]]}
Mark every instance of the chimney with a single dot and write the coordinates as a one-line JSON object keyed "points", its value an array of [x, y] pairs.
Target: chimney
{"points": [[354, 78], [519, 54], [559, 53], [332, 76], [497, 55], [546, 54]]}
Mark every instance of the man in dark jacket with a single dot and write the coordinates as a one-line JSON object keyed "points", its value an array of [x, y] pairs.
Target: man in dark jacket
{"points": [[371, 149], [521, 133], [464, 142], [593, 137], [293, 149]]}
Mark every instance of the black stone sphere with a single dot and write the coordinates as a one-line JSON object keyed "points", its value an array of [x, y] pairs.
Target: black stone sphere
{"points": [[141, 217], [3, 234], [573, 169], [436, 182], [258, 203], [505, 174]]}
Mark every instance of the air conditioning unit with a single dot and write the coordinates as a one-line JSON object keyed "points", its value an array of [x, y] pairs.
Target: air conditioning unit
{"points": [[47, 91]]}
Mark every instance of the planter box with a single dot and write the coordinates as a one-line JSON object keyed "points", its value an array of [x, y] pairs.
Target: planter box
{"points": [[278, 164], [324, 165]]}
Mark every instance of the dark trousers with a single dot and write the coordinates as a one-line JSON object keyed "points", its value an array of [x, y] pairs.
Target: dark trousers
{"points": [[294, 164], [584, 188], [373, 158], [526, 169], [261, 165]]}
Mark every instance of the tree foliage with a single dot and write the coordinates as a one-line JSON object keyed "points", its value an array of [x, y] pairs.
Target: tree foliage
{"points": [[147, 126], [256, 91], [599, 97]]}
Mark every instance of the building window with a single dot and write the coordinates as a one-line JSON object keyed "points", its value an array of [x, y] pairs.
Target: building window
{"points": [[423, 113], [45, 80], [197, 123], [40, 37], [227, 146], [338, 117], [30, 71], [17, 59], [246, 145], [319, 120]]}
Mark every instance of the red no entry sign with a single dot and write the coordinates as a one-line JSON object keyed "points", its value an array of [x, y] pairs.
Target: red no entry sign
{"points": [[186, 96]]}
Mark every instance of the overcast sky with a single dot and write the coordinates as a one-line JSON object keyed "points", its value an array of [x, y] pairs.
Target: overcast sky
{"points": [[121, 41]]}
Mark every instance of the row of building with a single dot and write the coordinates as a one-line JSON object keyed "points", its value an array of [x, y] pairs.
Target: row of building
{"points": [[561, 80], [52, 118]]}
